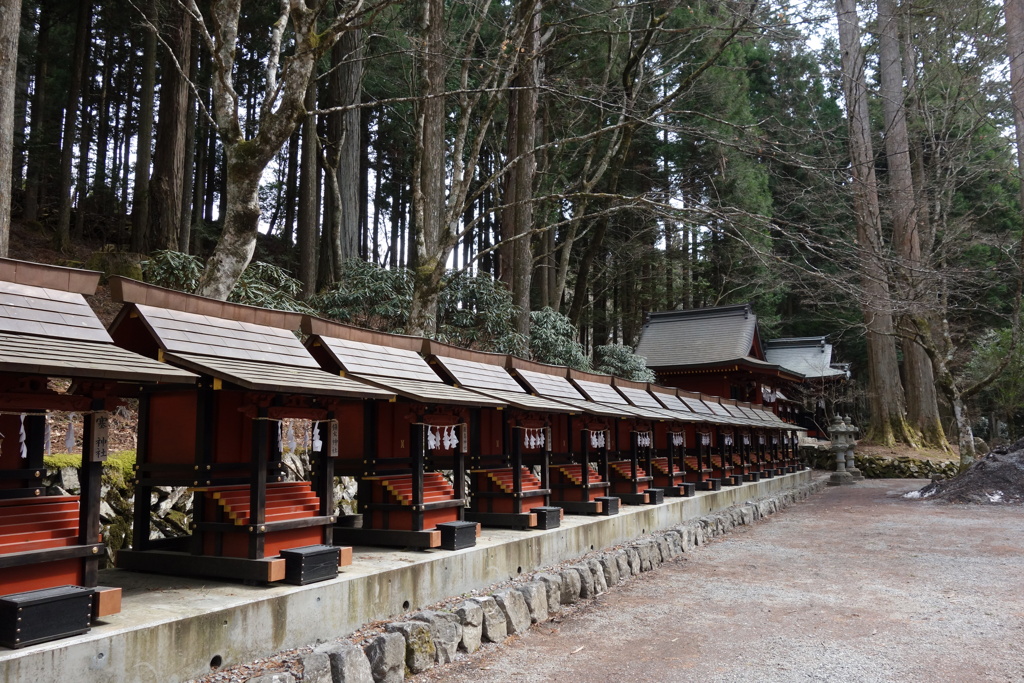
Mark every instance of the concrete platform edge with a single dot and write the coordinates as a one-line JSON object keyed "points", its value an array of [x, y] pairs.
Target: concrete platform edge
{"points": [[235, 624]]}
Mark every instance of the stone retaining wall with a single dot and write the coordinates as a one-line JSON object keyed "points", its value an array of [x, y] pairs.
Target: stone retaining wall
{"points": [[416, 642], [877, 467]]}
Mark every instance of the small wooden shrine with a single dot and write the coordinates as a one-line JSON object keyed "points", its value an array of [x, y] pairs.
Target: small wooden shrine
{"points": [[629, 463], [509, 476], [55, 355], [224, 439], [581, 441], [401, 451], [666, 464]]}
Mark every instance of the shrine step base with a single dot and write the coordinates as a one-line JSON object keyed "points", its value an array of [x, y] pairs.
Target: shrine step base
{"points": [[683, 490], [504, 520], [458, 535], [611, 505], [733, 480], [577, 507], [391, 538], [753, 476], [185, 564], [710, 485], [42, 615], [548, 517]]}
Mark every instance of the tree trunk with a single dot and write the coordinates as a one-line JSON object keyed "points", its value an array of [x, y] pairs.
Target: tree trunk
{"points": [[343, 161], [922, 399], [241, 218], [522, 132], [38, 133], [888, 419], [166, 187], [309, 169], [147, 95], [428, 195], [188, 195], [71, 124], [10, 28], [26, 48], [99, 181], [84, 147], [291, 191]]}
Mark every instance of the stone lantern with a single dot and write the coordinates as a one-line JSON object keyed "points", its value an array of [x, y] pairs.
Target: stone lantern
{"points": [[851, 444], [837, 433]]}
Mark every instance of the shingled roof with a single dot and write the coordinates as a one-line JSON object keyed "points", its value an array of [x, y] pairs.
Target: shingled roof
{"points": [[48, 328], [809, 356], [701, 337]]}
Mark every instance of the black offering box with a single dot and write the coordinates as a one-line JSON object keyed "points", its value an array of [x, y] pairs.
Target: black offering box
{"points": [[310, 563], [458, 535], [46, 614]]}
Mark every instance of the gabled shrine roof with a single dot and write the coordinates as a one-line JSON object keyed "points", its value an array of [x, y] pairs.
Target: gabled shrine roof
{"points": [[703, 338], [485, 373], [398, 367], [808, 356], [251, 347], [48, 328]]}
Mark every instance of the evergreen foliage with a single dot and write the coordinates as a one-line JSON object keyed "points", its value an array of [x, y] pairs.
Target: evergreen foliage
{"points": [[620, 360], [553, 340]]}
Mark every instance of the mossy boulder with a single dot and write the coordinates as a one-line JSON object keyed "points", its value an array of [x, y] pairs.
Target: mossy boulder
{"points": [[111, 261]]}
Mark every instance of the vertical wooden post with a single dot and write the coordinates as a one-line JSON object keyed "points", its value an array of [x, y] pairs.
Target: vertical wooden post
{"points": [[143, 494], [35, 441], [517, 468], [324, 473], [634, 459], [418, 448], [459, 473], [545, 465], [90, 477], [205, 411], [649, 458], [258, 484]]}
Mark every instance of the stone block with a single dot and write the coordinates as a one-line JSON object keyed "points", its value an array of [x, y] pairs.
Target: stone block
{"points": [[571, 586], [472, 617], [634, 560], [586, 580], [420, 653], [517, 613], [446, 628], [610, 567], [597, 571], [622, 560], [536, 595], [664, 549], [553, 584], [348, 663], [386, 654], [316, 668], [495, 626]]}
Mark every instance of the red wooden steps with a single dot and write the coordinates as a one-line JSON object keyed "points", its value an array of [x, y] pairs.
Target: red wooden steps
{"points": [[285, 500], [624, 468], [435, 487], [504, 479], [38, 523], [661, 464], [574, 473]]}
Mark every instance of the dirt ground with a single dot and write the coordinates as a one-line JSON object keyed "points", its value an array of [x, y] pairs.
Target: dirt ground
{"points": [[856, 584]]}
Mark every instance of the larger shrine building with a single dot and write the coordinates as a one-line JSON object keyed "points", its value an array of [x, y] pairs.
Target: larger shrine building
{"points": [[715, 351]]}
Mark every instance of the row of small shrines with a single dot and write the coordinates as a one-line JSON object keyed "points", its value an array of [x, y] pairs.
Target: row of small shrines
{"points": [[417, 423]]}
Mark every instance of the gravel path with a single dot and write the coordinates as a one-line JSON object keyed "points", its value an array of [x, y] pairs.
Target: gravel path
{"points": [[856, 584]]}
